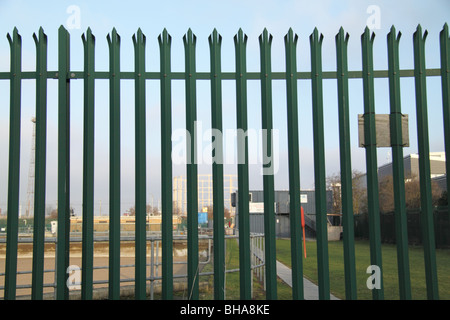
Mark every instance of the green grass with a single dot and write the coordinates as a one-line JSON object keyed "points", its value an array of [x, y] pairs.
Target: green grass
{"points": [[336, 267], [232, 284], [362, 258]]}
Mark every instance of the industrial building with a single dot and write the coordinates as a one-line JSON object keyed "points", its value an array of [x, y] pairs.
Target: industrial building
{"points": [[282, 209], [411, 165], [411, 169], [205, 192]]}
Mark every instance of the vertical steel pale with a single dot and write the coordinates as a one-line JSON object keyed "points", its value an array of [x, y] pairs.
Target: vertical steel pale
{"points": [[87, 261], [319, 166], [445, 79], [114, 165], [215, 42], [190, 41], [245, 272], [401, 231], [290, 42], [140, 165], [265, 44], [37, 281], [371, 157], [12, 224], [165, 41], [426, 201], [346, 167], [63, 237]]}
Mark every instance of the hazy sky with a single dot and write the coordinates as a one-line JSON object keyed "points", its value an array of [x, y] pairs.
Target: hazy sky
{"points": [[202, 17]]}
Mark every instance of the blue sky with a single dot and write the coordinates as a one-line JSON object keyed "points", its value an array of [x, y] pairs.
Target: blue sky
{"points": [[202, 17]]}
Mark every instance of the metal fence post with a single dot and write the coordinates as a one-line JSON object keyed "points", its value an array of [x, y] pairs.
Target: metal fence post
{"points": [[190, 41], [265, 43], [12, 226], [426, 204], [319, 166], [41, 142], [401, 232], [63, 243], [88, 166], [215, 42], [165, 41], [114, 166], [240, 43], [345, 164], [371, 157], [445, 79], [290, 42], [141, 171]]}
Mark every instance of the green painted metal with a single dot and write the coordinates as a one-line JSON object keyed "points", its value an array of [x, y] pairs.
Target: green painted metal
{"points": [[87, 261], [265, 44], [245, 275], [64, 75], [371, 158], [346, 166], [401, 233], [190, 41], [63, 239], [426, 203], [445, 79], [226, 75], [114, 165], [165, 41], [37, 280], [290, 42], [319, 166], [215, 42], [12, 225], [141, 168]]}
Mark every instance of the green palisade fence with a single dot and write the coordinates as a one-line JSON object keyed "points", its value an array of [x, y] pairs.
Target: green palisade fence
{"points": [[64, 75]]}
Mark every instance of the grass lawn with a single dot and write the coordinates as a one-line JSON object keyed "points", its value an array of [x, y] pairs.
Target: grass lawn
{"points": [[362, 256], [336, 267], [232, 291]]}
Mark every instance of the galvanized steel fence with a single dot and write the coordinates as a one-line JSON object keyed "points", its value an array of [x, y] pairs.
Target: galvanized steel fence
{"points": [[241, 76]]}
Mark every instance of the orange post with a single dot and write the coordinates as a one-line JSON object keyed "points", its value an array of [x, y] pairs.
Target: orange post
{"points": [[303, 227]]}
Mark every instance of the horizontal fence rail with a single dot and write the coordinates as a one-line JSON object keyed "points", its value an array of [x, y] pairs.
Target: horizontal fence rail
{"points": [[64, 75]]}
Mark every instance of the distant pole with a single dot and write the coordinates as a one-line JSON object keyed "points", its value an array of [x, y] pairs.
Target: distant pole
{"points": [[31, 172]]}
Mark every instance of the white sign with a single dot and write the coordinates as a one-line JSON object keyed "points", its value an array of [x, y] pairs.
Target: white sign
{"points": [[303, 198], [258, 207], [54, 225]]}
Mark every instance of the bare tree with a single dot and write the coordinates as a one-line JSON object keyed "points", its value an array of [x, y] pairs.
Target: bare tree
{"points": [[412, 193], [152, 210], [54, 214], [149, 210], [359, 196]]}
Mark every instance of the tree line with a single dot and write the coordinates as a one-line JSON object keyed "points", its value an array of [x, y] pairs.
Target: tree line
{"points": [[386, 193]]}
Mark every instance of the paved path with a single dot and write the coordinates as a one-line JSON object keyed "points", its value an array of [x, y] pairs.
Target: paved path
{"points": [[311, 291]]}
